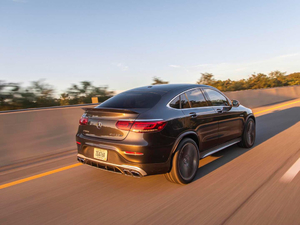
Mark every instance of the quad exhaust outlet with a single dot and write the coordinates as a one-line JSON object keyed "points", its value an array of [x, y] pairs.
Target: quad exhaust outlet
{"points": [[111, 168]]}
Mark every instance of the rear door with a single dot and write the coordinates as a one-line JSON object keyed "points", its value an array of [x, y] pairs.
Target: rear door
{"points": [[200, 117], [230, 119]]}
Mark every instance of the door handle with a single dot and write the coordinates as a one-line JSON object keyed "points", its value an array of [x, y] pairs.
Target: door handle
{"points": [[219, 110], [193, 114]]}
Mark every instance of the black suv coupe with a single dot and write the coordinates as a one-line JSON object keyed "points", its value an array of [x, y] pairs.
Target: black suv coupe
{"points": [[162, 129]]}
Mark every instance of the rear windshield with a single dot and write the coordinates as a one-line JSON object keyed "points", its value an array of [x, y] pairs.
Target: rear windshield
{"points": [[131, 100]]}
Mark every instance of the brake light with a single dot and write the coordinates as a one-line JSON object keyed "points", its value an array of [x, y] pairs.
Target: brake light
{"points": [[124, 125], [83, 120], [148, 126], [141, 126]]}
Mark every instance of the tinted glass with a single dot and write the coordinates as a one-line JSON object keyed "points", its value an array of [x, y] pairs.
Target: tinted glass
{"points": [[184, 102], [196, 98], [216, 98], [175, 103], [130, 100]]}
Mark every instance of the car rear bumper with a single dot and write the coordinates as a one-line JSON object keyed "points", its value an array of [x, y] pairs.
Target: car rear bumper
{"points": [[151, 148], [155, 159], [112, 167]]}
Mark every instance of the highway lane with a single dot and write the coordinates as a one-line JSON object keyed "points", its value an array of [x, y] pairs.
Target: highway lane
{"points": [[234, 186]]}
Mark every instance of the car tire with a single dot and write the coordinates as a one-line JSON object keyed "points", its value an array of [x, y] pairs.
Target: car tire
{"points": [[185, 162], [249, 134]]}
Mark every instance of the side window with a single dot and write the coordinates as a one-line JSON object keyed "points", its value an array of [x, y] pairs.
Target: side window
{"points": [[184, 102], [196, 98], [216, 98], [175, 103]]}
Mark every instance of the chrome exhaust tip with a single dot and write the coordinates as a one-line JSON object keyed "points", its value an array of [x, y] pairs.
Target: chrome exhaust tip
{"points": [[80, 159], [136, 174], [127, 172]]}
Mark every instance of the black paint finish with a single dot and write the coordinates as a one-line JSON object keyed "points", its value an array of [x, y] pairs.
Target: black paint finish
{"points": [[209, 126]]}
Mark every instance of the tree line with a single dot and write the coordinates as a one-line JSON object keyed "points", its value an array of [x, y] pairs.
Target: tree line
{"points": [[255, 81], [40, 94]]}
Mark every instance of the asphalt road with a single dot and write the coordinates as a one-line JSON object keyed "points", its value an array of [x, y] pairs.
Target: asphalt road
{"points": [[234, 186]]}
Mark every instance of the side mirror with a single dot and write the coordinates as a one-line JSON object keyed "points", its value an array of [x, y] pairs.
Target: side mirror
{"points": [[235, 103]]}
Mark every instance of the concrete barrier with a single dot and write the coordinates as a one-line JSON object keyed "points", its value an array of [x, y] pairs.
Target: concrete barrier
{"points": [[267, 96], [32, 134]]}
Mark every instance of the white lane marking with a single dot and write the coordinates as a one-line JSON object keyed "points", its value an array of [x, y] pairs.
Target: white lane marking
{"points": [[291, 173]]}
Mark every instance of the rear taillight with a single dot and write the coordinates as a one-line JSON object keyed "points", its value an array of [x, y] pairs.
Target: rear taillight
{"points": [[148, 126], [141, 126], [83, 120], [124, 125]]}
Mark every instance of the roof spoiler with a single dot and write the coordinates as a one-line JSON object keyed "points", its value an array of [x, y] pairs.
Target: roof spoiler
{"points": [[109, 110]]}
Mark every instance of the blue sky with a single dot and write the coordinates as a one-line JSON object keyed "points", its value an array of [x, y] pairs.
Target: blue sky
{"points": [[125, 43]]}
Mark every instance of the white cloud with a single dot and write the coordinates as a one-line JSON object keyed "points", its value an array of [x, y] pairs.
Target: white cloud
{"points": [[288, 55], [285, 63], [122, 66], [203, 65], [175, 66], [238, 70]]}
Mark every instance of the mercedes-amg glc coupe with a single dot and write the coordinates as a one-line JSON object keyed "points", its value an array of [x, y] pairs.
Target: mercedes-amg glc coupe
{"points": [[162, 129]]}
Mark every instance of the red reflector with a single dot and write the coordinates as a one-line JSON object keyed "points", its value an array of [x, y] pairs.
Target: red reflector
{"points": [[141, 126], [124, 125], [83, 120], [133, 153], [78, 142]]}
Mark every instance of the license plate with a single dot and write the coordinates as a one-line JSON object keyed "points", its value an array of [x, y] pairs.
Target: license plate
{"points": [[100, 154]]}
